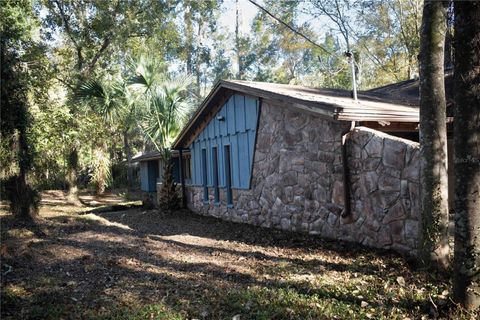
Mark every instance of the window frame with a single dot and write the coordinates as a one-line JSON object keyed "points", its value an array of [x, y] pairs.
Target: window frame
{"points": [[205, 175], [228, 174], [187, 166], [216, 187]]}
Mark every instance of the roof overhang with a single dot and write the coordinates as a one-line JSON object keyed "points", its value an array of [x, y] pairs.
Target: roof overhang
{"points": [[155, 155], [332, 104]]}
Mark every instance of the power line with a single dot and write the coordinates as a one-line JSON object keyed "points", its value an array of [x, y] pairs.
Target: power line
{"points": [[349, 55], [291, 28]]}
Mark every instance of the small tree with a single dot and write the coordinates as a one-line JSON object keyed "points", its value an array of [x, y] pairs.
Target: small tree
{"points": [[163, 109], [16, 150], [113, 102], [151, 100]]}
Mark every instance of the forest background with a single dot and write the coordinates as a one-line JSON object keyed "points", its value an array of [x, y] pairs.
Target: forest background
{"points": [[60, 45]]}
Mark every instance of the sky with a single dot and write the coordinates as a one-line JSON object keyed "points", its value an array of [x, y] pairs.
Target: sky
{"points": [[248, 11]]}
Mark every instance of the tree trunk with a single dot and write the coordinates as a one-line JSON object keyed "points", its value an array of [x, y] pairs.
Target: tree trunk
{"points": [[72, 174], [237, 44], [466, 286], [168, 197], [128, 153], [187, 17], [198, 72], [24, 200], [433, 138]]}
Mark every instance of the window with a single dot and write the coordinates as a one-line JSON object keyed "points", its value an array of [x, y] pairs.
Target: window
{"points": [[215, 175], [187, 167], [204, 172], [228, 176]]}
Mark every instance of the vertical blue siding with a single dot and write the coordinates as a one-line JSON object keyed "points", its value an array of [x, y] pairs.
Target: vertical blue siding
{"points": [[238, 130], [152, 175], [148, 175], [143, 176], [230, 119]]}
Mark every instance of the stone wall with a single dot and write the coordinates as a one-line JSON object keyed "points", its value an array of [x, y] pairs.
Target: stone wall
{"points": [[384, 188], [297, 182]]}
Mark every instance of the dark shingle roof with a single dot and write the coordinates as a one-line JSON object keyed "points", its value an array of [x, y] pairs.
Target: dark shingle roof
{"points": [[149, 155], [409, 91], [381, 104], [335, 103]]}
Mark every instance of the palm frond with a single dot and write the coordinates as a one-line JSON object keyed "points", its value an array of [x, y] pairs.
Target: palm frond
{"points": [[109, 100], [91, 89]]}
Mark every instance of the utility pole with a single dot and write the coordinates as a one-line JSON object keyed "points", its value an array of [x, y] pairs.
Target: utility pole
{"points": [[351, 61]]}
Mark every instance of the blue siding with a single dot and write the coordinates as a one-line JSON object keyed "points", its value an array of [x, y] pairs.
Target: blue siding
{"points": [[237, 130], [148, 175], [152, 175], [143, 176]]}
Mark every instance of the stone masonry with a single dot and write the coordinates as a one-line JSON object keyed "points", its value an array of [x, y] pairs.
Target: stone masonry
{"points": [[384, 189], [297, 182]]}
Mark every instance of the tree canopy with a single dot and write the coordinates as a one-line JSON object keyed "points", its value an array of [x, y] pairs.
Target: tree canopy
{"points": [[61, 44]]}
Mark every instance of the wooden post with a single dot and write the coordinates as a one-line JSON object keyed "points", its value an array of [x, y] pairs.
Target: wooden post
{"points": [[182, 178]]}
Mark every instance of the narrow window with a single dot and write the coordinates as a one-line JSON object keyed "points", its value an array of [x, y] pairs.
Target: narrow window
{"points": [[204, 172], [215, 174], [228, 176], [187, 167]]}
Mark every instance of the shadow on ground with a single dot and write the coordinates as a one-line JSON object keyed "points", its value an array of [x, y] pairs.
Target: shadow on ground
{"points": [[145, 264]]}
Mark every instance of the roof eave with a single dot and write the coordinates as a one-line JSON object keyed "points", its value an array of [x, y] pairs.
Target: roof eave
{"points": [[328, 110], [177, 143]]}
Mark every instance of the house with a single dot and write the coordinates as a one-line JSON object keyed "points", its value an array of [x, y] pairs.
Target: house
{"points": [[306, 160], [151, 169]]}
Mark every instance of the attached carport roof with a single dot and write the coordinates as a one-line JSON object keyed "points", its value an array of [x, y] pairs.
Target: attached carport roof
{"points": [[153, 155], [332, 103]]}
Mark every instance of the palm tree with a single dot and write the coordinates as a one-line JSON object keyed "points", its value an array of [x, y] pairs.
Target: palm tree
{"points": [[113, 102], [163, 108], [149, 99]]}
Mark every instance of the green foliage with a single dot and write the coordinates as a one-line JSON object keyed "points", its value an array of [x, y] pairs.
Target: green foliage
{"points": [[101, 165], [68, 49], [15, 37], [17, 46], [149, 99]]}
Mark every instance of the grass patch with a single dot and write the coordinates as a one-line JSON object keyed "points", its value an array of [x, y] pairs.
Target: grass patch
{"points": [[73, 311], [321, 303], [288, 303], [19, 233]]}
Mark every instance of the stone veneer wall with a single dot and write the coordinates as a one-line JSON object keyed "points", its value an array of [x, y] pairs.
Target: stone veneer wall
{"points": [[297, 182], [384, 175]]}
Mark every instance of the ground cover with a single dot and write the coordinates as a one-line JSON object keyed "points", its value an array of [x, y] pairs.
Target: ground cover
{"points": [[90, 262]]}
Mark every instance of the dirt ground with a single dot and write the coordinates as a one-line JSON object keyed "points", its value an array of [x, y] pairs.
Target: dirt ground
{"points": [[137, 264]]}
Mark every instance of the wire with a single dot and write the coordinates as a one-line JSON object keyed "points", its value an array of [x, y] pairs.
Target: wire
{"points": [[291, 28], [349, 55]]}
